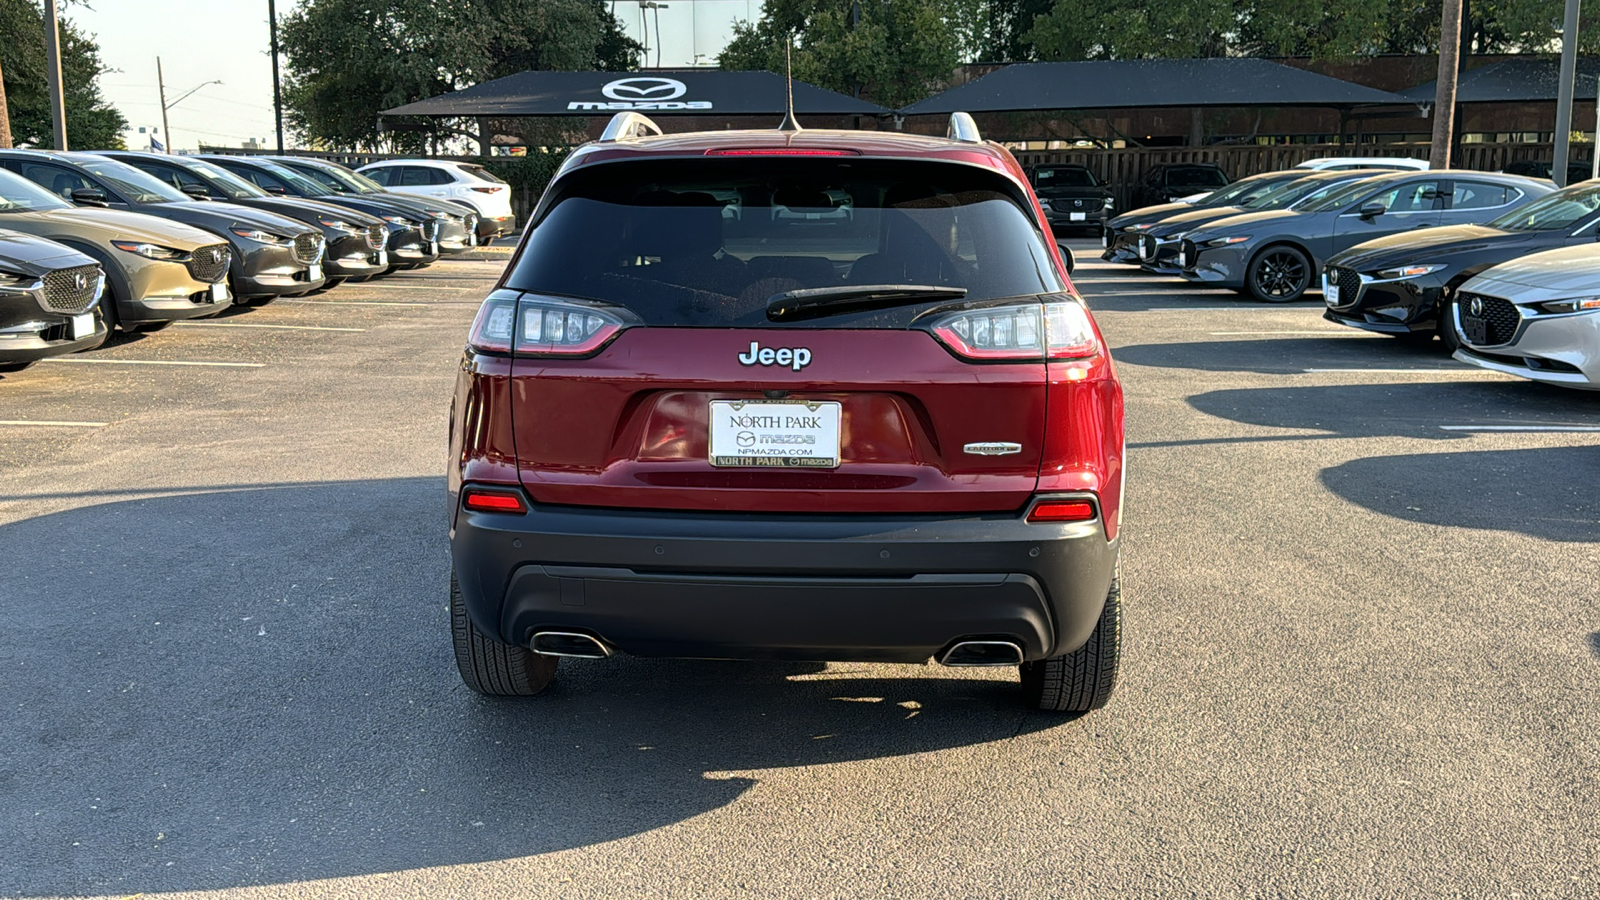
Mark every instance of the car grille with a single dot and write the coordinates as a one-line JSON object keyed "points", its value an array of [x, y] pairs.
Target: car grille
{"points": [[470, 223], [1501, 315], [208, 264], [377, 236], [72, 290], [1189, 252], [308, 248], [1147, 247], [1349, 282], [430, 230]]}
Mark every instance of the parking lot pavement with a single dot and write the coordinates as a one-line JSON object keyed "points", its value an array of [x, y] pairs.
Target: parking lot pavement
{"points": [[1363, 646]]}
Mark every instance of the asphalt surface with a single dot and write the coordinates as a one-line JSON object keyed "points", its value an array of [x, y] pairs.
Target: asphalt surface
{"points": [[1363, 646]]}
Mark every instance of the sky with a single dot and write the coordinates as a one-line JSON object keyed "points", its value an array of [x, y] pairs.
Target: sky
{"points": [[200, 41]]}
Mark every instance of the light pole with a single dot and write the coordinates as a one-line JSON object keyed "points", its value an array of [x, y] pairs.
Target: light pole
{"points": [[277, 91], [161, 85], [52, 74], [1569, 64]]}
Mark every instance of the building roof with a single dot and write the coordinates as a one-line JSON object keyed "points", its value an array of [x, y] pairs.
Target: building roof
{"points": [[1529, 79], [694, 92], [1124, 84]]}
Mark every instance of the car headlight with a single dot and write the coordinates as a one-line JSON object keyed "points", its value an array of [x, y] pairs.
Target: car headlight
{"points": [[149, 251], [1045, 204], [1145, 227], [1576, 304], [259, 236], [1110, 203], [339, 225], [1225, 241], [13, 279], [1410, 271], [402, 221]]}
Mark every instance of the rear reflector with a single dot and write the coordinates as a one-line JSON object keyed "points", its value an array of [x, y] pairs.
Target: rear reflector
{"points": [[1062, 511], [492, 501], [781, 151]]}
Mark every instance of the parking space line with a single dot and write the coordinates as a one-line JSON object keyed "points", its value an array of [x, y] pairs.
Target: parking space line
{"points": [[24, 423], [153, 362], [1325, 331], [355, 303], [1435, 370], [263, 325], [1516, 429]]}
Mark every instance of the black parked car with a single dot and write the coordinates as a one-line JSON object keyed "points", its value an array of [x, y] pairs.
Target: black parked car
{"points": [[1172, 181], [1071, 196], [413, 238], [458, 224], [1405, 284], [1122, 234], [1576, 171], [48, 294], [272, 256], [356, 241]]}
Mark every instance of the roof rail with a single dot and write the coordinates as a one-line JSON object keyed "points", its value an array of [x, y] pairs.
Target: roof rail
{"points": [[625, 125], [962, 128]]}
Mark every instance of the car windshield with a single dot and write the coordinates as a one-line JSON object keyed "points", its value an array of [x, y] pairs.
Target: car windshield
{"points": [[1233, 193], [1344, 196], [137, 186], [1563, 209], [294, 179], [18, 194], [234, 187], [338, 180], [709, 243], [1063, 177], [1196, 176], [1296, 194]]}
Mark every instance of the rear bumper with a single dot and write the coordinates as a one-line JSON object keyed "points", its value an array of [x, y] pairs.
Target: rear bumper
{"points": [[892, 589], [491, 227]]}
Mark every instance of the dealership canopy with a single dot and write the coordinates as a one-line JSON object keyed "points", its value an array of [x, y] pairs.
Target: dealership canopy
{"points": [[1127, 84], [696, 92], [1515, 81]]}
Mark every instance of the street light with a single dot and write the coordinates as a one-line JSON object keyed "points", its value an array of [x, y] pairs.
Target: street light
{"points": [[161, 85], [658, 7]]}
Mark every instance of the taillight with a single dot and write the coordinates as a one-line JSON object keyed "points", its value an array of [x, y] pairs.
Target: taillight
{"points": [[1061, 511], [479, 500], [544, 326], [781, 151], [1054, 330], [487, 190]]}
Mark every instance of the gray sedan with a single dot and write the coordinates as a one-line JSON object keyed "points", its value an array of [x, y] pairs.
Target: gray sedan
{"points": [[1273, 256]]}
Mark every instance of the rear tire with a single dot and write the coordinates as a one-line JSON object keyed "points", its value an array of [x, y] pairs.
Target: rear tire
{"points": [[1278, 274], [1081, 680], [490, 666]]}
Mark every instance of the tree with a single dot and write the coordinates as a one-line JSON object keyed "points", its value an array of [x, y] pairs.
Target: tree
{"points": [[91, 121], [893, 52], [348, 60]]}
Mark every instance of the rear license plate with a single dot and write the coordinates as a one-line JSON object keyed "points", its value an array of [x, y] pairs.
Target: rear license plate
{"points": [[82, 326], [314, 273], [1330, 293], [777, 433], [1475, 330], [219, 292], [1078, 217]]}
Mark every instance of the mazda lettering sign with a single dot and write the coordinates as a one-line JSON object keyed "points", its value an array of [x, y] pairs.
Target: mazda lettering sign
{"points": [[642, 93]]}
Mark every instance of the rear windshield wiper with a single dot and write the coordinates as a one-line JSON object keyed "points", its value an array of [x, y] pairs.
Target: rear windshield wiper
{"points": [[814, 303]]}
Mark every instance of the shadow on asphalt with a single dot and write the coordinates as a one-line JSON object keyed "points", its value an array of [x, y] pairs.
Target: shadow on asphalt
{"points": [[250, 687], [1594, 644], [1291, 355], [1545, 493], [1405, 408]]}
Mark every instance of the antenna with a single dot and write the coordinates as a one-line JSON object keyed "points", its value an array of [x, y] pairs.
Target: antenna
{"points": [[789, 123]]}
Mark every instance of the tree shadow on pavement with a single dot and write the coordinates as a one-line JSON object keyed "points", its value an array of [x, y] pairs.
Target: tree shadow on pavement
{"points": [[245, 687], [1544, 493], [1594, 644]]}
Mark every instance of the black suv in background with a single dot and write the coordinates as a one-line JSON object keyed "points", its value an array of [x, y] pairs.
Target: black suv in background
{"points": [[1071, 196], [1174, 181]]}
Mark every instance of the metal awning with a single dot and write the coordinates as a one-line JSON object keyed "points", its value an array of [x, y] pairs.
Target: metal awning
{"points": [[1527, 80]]}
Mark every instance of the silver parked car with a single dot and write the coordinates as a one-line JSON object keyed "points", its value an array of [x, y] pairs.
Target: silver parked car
{"points": [[1537, 317], [1274, 256]]}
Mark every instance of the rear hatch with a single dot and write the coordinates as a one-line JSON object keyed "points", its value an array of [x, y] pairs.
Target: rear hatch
{"points": [[782, 334]]}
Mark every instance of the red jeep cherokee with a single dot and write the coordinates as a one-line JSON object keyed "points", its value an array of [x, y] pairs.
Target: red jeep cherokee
{"points": [[820, 395]]}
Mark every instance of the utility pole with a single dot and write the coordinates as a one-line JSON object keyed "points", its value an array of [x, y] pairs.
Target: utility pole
{"points": [[5, 116], [277, 90], [1569, 65], [1444, 94], [166, 131], [52, 74]]}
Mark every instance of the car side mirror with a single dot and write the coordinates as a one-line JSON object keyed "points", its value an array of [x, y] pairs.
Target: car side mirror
{"points": [[197, 191], [1373, 210], [89, 196], [1066, 255]]}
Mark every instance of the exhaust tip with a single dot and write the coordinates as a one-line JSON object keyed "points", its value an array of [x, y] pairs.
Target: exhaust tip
{"points": [[568, 643], [982, 653]]}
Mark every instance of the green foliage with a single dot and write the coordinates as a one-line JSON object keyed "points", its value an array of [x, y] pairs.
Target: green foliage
{"points": [[348, 60], [531, 172], [899, 51], [91, 122]]}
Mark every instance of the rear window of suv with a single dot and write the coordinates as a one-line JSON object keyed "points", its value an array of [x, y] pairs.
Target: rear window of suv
{"points": [[707, 243]]}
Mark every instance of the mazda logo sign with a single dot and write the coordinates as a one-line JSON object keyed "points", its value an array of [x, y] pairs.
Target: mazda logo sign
{"points": [[80, 281], [651, 89], [1476, 307]]}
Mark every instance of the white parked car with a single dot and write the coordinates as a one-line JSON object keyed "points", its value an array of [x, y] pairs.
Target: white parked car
{"points": [[462, 182], [1330, 163], [1537, 317]]}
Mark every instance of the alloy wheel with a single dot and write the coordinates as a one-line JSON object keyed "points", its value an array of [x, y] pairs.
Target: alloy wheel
{"points": [[1280, 275]]}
